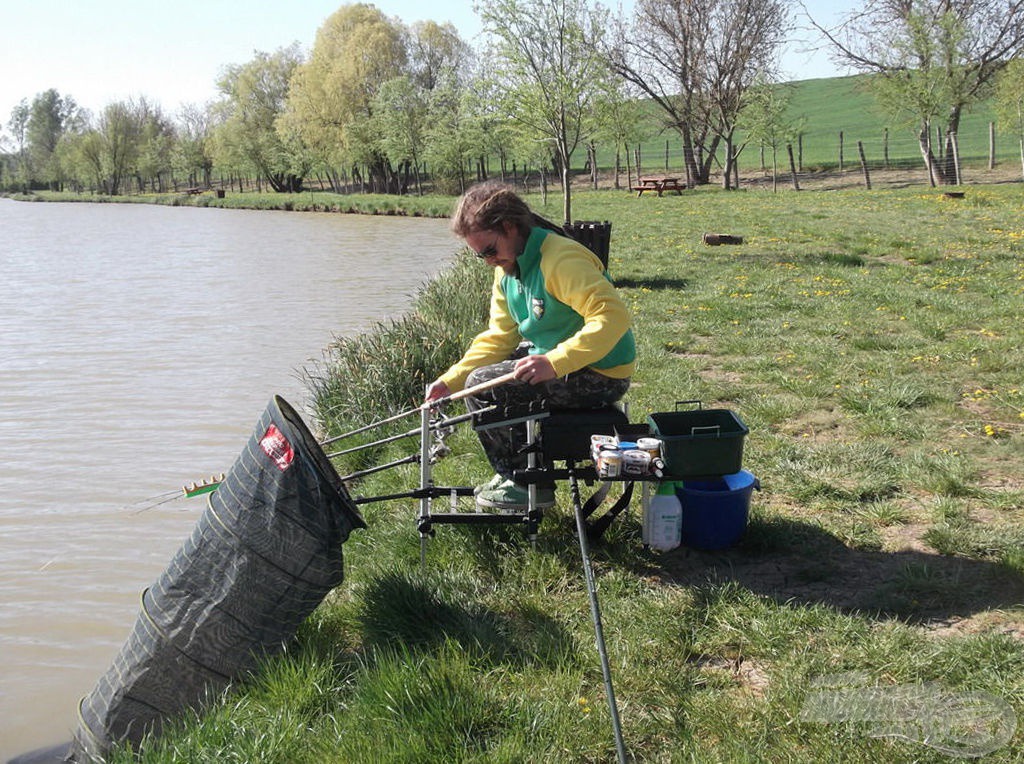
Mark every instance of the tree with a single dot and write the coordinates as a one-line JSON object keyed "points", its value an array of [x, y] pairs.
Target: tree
{"points": [[696, 59], [156, 145], [402, 123], [253, 99], [546, 54], [764, 119], [18, 125], [331, 103], [192, 156], [618, 118], [932, 58], [50, 117], [438, 56], [1010, 100], [120, 129]]}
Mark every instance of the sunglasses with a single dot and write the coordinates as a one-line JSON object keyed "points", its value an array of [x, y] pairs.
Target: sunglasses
{"points": [[489, 251]]}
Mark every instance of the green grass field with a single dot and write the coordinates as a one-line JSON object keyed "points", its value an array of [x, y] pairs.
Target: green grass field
{"points": [[824, 108], [871, 342]]}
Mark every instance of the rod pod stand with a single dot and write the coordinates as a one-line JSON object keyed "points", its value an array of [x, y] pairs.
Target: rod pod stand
{"points": [[426, 480], [595, 612]]}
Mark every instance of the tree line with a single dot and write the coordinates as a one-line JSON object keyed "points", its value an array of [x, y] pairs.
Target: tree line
{"points": [[379, 106]]}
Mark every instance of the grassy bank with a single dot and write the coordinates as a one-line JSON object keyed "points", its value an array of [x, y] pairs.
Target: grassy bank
{"points": [[318, 201], [871, 341]]}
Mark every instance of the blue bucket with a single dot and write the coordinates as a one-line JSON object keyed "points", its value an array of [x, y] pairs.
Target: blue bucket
{"points": [[715, 511]]}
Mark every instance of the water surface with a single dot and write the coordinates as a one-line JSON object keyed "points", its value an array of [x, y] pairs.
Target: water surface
{"points": [[138, 346]]}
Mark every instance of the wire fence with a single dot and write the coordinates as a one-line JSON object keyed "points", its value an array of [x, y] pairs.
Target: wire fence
{"points": [[835, 150]]}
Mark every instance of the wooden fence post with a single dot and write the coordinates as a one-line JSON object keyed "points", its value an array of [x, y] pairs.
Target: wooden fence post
{"points": [[792, 167], [885, 148], [956, 156], [864, 165], [840, 151], [800, 152]]}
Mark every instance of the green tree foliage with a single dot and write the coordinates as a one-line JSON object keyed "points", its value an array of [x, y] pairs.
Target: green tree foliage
{"points": [[546, 57], [452, 139], [50, 117], [438, 56], [934, 59], [18, 125], [403, 119], [764, 120], [253, 98], [156, 147], [192, 157], [619, 119], [1010, 100], [120, 130], [331, 103]]}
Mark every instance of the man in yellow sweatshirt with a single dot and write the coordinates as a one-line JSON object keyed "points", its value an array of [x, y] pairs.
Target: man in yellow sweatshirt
{"points": [[553, 295]]}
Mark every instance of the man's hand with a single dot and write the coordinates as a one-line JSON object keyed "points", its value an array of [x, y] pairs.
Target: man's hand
{"points": [[534, 369], [437, 390]]}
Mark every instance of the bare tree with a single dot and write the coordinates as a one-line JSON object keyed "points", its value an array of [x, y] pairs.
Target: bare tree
{"points": [[933, 58], [696, 59]]}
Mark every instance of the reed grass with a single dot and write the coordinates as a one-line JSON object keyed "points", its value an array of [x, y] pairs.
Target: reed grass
{"points": [[871, 343]]}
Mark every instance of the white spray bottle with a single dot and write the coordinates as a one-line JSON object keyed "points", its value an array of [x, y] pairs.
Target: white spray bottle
{"points": [[663, 519]]}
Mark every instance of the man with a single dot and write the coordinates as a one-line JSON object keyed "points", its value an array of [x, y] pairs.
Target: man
{"points": [[553, 293]]}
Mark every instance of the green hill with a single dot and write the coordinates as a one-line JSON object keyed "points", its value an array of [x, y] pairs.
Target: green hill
{"points": [[827, 107]]}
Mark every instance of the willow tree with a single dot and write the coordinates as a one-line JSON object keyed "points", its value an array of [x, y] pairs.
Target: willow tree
{"points": [[331, 104], [253, 98], [932, 59], [546, 55]]}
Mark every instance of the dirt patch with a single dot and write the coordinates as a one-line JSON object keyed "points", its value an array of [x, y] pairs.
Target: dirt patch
{"points": [[817, 424], [749, 674]]}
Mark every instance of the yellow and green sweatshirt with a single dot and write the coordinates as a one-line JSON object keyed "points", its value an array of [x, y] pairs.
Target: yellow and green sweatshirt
{"points": [[563, 302]]}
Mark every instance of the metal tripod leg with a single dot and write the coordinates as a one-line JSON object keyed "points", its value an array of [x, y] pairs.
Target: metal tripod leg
{"points": [[531, 489]]}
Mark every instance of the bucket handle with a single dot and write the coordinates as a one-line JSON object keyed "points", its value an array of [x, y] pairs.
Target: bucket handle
{"points": [[711, 429], [692, 402]]}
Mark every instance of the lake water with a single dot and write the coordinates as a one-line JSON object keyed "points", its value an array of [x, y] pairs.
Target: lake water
{"points": [[138, 346]]}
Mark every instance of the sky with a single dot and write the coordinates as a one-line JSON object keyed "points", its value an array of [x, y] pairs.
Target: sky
{"points": [[172, 52]]}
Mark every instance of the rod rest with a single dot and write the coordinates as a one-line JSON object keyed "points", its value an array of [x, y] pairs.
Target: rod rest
{"points": [[506, 416]]}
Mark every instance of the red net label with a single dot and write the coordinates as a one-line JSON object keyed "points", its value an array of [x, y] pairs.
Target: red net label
{"points": [[276, 446]]}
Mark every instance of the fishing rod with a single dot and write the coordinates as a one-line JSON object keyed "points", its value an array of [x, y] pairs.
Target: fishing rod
{"points": [[208, 486], [441, 424], [488, 385], [595, 613]]}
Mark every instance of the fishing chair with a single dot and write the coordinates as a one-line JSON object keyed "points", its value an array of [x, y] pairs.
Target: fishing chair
{"points": [[552, 435]]}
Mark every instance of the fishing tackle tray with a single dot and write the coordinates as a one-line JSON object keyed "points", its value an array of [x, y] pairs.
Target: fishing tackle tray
{"points": [[699, 442]]}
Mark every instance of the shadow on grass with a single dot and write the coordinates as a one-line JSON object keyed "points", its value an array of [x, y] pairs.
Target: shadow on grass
{"points": [[791, 561], [785, 560], [653, 284], [423, 615]]}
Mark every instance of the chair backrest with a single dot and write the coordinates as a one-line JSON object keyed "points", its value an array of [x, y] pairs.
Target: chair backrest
{"points": [[594, 235]]}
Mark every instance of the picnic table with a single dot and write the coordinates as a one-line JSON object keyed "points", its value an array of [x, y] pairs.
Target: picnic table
{"points": [[659, 183]]}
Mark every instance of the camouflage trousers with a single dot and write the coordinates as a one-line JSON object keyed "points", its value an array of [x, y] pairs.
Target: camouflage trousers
{"points": [[584, 389]]}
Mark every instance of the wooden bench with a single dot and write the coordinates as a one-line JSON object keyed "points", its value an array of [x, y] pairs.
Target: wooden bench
{"points": [[659, 183], [194, 191]]}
